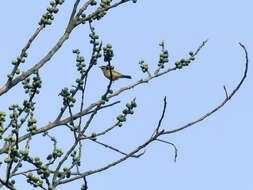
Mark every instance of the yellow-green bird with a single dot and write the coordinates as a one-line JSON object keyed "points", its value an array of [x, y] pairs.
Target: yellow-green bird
{"points": [[115, 75]]}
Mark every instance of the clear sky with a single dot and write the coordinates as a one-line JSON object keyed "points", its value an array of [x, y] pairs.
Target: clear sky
{"points": [[214, 154]]}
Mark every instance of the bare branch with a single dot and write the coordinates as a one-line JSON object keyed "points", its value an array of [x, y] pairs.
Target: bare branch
{"points": [[222, 103], [103, 132], [200, 47], [117, 150]]}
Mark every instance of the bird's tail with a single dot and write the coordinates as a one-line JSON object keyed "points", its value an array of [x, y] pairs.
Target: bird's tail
{"points": [[126, 76]]}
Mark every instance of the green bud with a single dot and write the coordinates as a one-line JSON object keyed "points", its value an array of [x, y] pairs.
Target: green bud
{"points": [[93, 3], [133, 104], [10, 76], [49, 157], [48, 22], [7, 160], [50, 9], [55, 10], [17, 71], [109, 46], [128, 106], [182, 60], [125, 111], [14, 62]]}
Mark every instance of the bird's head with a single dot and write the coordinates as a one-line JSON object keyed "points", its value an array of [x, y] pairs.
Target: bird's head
{"points": [[103, 68]]}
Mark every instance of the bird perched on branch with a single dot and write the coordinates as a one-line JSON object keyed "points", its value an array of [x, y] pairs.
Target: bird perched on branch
{"points": [[115, 75]]}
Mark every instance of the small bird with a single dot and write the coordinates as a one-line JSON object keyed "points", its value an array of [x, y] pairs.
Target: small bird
{"points": [[115, 75]]}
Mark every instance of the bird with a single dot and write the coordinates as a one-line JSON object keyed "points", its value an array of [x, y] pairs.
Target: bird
{"points": [[115, 75]]}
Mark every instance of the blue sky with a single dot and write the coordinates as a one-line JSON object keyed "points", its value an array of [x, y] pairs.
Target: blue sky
{"points": [[214, 154]]}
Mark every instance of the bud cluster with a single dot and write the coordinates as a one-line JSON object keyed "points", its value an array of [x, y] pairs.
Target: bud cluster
{"points": [[16, 62], [129, 110], [35, 181], [108, 53], [144, 67], [32, 88], [185, 62], [103, 4], [47, 18], [163, 56], [68, 99]]}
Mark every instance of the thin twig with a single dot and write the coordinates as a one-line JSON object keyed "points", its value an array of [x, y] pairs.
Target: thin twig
{"points": [[117, 150], [200, 47], [174, 146], [85, 183], [164, 109], [224, 87], [103, 132]]}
